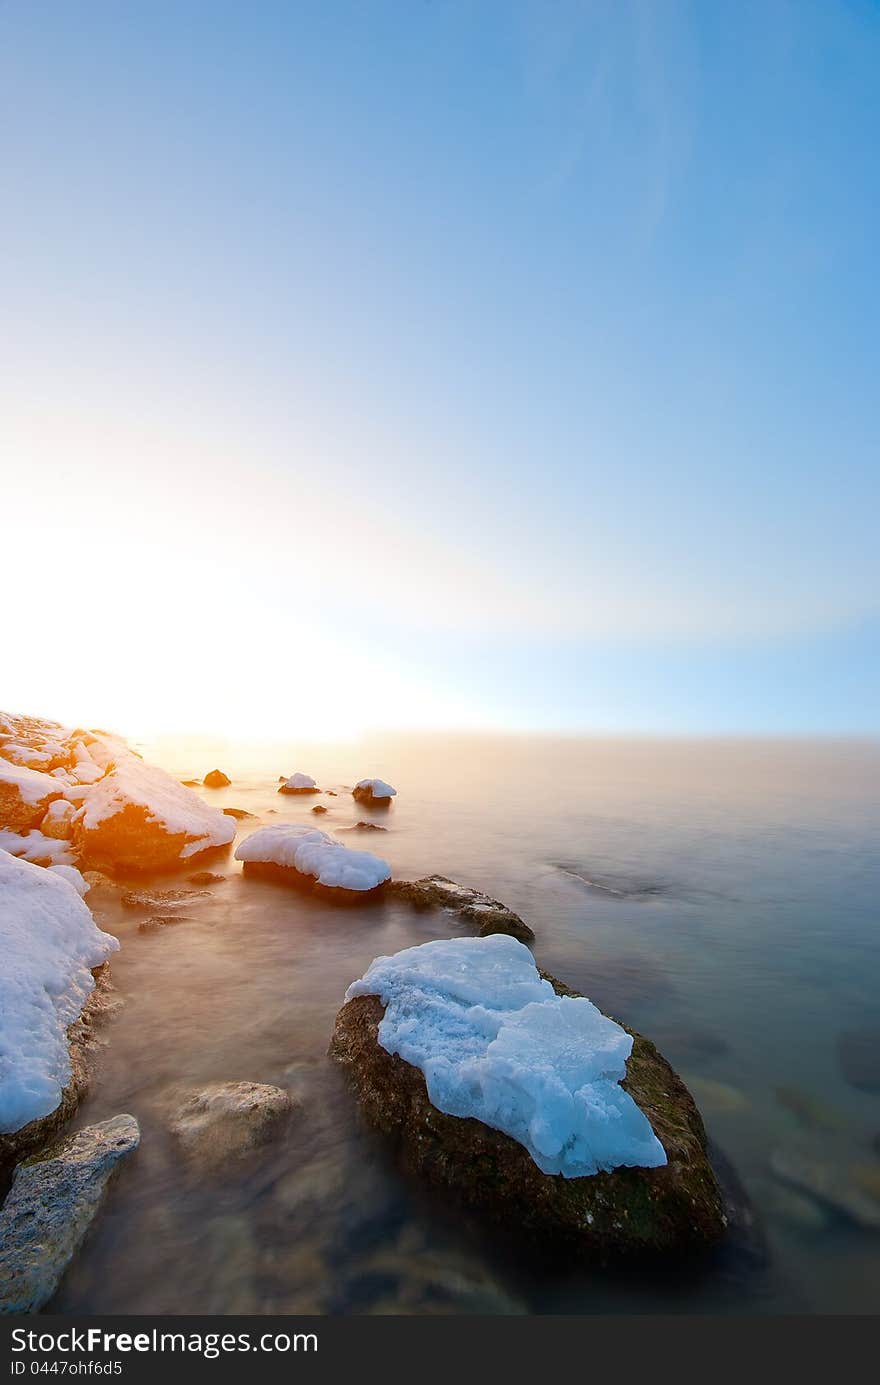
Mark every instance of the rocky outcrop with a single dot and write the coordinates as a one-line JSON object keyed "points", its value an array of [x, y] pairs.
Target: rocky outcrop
{"points": [[438, 892], [83, 1040], [216, 779], [25, 795], [224, 1121], [53, 1201], [673, 1210]]}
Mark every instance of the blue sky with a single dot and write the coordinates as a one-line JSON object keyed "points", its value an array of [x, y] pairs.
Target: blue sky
{"points": [[523, 356]]}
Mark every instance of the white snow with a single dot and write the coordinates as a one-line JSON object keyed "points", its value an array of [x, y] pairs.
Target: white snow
{"points": [[494, 1041], [32, 784], [314, 853], [34, 846], [299, 781], [73, 877], [165, 800], [49, 943], [379, 787]]}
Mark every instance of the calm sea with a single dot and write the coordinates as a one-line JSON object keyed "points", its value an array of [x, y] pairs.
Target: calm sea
{"points": [[722, 897]]}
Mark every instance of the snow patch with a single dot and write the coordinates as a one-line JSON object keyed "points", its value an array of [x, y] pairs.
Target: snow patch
{"points": [[32, 784], [314, 853], [34, 846], [496, 1042], [49, 943]]}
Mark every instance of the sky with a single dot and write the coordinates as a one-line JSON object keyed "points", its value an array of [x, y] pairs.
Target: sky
{"points": [[441, 363]]}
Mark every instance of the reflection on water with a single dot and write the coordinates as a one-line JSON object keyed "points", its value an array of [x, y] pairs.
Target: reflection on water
{"points": [[739, 931]]}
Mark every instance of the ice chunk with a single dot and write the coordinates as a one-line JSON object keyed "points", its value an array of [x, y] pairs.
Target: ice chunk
{"points": [[496, 1042], [49, 943], [314, 853]]}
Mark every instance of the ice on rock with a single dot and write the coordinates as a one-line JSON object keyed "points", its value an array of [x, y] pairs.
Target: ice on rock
{"points": [[377, 787], [299, 781], [496, 1042], [314, 853], [48, 942]]}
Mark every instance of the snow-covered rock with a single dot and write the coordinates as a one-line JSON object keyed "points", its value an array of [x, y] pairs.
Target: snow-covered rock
{"points": [[493, 1042], [73, 877], [50, 1207], [496, 1042], [373, 791], [58, 822], [141, 818], [315, 859], [37, 848], [49, 944], [25, 794], [298, 783]]}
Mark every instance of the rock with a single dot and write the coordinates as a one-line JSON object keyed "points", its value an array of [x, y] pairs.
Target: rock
{"points": [[717, 1097], [161, 899], [837, 1185], [25, 795], [138, 818], [367, 827], [438, 892], [82, 1040], [808, 1110], [858, 1052], [58, 822], [158, 921], [319, 808], [239, 813], [191, 783], [373, 792], [631, 1212], [205, 877], [216, 779], [224, 1121], [788, 1205], [52, 1203]]}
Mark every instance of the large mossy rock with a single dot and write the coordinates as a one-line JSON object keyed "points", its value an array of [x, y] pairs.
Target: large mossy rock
{"points": [[675, 1210], [52, 1203]]}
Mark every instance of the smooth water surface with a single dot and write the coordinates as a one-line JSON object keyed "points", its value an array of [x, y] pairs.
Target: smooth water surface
{"points": [[722, 897]]}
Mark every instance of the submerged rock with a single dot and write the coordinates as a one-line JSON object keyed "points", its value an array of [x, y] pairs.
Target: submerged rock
{"points": [[365, 827], [238, 813], [319, 808], [156, 922], [837, 1185], [161, 899], [438, 892], [858, 1051], [216, 779], [205, 877], [51, 1205], [225, 1121], [808, 1110], [673, 1209]]}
